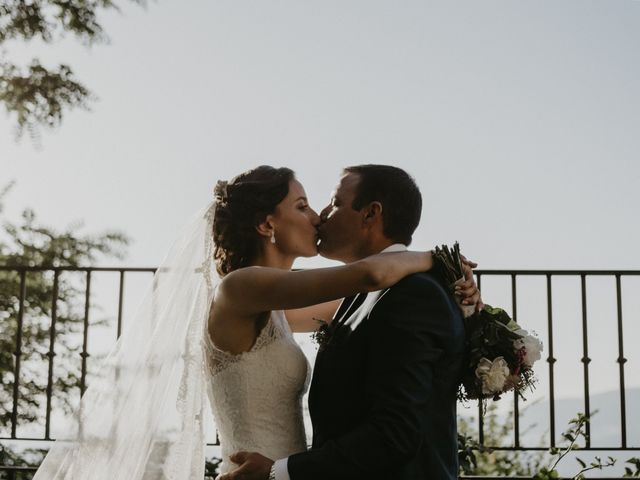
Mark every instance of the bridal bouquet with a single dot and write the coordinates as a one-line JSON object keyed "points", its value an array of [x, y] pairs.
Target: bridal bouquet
{"points": [[500, 354]]}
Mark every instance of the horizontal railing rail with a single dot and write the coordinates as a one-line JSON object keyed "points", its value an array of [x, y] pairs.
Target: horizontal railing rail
{"points": [[550, 345]]}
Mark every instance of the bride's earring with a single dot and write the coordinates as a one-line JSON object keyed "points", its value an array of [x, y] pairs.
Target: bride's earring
{"points": [[273, 237]]}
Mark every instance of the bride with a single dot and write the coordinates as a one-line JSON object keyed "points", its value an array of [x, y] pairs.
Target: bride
{"points": [[230, 337]]}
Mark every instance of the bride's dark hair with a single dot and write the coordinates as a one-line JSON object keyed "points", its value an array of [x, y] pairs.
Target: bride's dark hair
{"points": [[240, 206]]}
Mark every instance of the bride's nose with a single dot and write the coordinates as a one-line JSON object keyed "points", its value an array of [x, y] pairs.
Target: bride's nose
{"points": [[315, 218]]}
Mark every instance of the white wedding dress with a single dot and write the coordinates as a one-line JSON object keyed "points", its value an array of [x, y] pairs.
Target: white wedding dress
{"points": [[256, 396]]}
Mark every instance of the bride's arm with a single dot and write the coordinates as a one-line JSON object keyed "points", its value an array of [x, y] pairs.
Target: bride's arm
{"points": [[252, 290], [309, 319]]}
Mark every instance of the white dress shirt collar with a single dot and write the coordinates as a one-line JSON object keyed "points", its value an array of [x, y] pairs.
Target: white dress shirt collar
{"points": [[396, 247]]}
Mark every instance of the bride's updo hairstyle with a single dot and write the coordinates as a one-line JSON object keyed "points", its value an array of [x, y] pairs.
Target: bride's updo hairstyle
{"points": [[240, 206]]}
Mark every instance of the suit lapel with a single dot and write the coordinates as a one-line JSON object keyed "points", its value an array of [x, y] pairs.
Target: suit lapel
{"points": [[363, 310], [379, 296], [351, 313], [347, 307]]}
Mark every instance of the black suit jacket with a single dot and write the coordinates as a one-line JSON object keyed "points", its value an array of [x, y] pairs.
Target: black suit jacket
{"points": [[383, 394]]}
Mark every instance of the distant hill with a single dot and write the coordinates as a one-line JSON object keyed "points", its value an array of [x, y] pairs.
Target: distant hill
{"points": [[605, 424]]}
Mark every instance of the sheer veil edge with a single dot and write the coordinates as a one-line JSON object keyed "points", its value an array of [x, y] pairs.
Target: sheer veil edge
{"points": [[142, 416]]}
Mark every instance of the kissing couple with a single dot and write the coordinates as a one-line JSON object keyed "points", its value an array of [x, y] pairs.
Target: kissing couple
{"points": [[382, 397]]}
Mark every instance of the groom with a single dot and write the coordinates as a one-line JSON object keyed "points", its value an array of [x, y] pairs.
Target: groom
{"points": [[383, 396]]}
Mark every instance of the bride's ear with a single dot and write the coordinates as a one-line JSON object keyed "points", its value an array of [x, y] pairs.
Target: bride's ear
{"points": [[265, 228]]}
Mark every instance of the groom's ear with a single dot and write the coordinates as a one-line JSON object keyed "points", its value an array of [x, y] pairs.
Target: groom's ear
{"points": [[372, 213]]}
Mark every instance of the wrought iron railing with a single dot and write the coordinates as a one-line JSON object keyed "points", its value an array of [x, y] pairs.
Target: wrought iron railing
{"points": [[582, 275], [22, 295], [585, 360]]}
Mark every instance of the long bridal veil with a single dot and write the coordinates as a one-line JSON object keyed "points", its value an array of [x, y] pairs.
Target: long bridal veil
{"points": [[141, 418]]}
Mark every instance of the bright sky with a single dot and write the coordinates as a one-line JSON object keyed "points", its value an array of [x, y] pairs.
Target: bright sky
{"points": [[519, 120]]}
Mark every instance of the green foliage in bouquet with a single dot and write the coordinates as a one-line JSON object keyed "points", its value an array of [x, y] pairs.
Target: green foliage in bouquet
{"points": [[487, 332]]}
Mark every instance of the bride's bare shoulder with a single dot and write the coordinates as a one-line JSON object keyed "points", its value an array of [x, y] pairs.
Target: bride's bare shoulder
{"points": [[245, 275], [237, 294]]}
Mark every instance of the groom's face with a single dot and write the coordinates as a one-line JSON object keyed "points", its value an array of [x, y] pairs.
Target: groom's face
{"points": [[341, 226]]}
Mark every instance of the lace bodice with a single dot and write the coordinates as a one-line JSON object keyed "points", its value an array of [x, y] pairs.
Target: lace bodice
{"points": [[256, 396]]}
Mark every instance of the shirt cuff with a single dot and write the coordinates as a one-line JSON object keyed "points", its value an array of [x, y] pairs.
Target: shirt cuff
{"points": [[281, 469]]}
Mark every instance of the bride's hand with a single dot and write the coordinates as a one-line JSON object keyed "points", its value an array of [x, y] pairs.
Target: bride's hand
{"points": [[466, 288]]}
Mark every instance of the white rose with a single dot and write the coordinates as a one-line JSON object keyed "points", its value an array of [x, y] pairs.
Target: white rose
{"points": [[532, 350], [532, 347], [492, 374]]}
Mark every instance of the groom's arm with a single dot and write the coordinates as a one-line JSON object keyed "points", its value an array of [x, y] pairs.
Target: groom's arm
{"points": [[399, 384]]}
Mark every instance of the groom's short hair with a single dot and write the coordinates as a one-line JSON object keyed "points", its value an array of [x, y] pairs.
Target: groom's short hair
{"points": [[398, 193]]}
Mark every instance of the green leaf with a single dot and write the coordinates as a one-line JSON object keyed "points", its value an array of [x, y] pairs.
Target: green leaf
{"points": [[34, 95]]}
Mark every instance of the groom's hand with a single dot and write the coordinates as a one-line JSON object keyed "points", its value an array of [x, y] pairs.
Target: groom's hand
{"points": [[253, 466]]}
